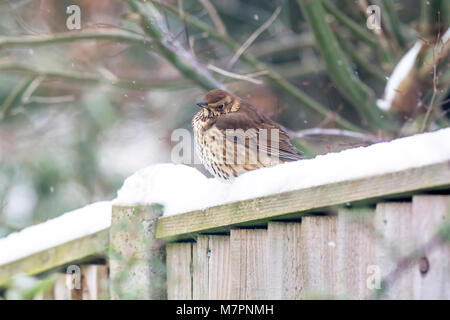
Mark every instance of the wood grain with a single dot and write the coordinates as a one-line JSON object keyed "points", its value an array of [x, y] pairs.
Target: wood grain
{"points": [[212, 268], [285, 277], [355, 249], [393, 227], [429, 214], [318, 243], [200, 264], [219, 268], [249, 263], [64, 288], [179, 277], [413, 260], [94, 282]]}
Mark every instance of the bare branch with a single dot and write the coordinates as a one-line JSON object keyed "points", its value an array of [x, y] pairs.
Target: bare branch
{"points": [[31, 89], [234, 75], [335, 132], [252, 38], [430, 108], [274, 77], [51, 100], [215, 17], [89, 78], [115, 34]]}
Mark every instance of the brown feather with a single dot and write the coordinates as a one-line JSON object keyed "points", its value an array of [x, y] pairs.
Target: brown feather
{"points": [[248, 117]]}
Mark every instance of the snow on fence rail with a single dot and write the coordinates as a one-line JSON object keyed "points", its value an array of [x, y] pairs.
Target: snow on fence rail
{"points": [[330, 225]]}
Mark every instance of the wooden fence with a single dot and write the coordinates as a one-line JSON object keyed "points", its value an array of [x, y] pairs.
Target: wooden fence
{"points": [[347, 255], [384, 236]]}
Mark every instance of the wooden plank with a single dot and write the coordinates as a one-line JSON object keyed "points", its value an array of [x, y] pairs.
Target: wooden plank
{"points": [[179, 277], [298, 202], [318, 239], [238, 263], [94, 282], [285, 279], [88, 282], [66, 289], [201, 269], [212, 268], [60, 291], [355, 252], [393, 225], [219, 268], [415, 264], [71, 252], [248, 263], [135, 256], [431, 278]]}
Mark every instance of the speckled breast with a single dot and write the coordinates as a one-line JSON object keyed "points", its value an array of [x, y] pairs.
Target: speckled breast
{"points": [[209, 151]]}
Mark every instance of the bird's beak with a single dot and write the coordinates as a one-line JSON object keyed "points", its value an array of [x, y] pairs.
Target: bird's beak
{"points": [[202, 104]]}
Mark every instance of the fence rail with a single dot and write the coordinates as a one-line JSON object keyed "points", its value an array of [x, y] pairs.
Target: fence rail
{"points": [[305, 201], [83, 249]]}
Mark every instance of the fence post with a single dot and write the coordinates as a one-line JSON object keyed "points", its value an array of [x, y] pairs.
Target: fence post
{"points": [[136, 258]]}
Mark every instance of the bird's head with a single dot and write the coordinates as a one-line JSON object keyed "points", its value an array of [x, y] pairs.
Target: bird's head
{"points": [[219, 102]]}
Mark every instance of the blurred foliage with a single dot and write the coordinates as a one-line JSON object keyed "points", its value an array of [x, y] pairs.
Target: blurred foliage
{"points": [[25, 287], [81, 110]]}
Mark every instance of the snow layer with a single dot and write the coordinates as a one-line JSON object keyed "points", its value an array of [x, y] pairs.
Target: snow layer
{"points": [[446, 36], [71, 225], [401, 71], [181, 189], [399, 74]]}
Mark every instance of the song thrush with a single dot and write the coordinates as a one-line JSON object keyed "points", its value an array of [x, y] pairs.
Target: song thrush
{"points": [[232, 137]]}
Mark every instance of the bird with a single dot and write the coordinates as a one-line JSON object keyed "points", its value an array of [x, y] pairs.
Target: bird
{"points": [[232, 137]]}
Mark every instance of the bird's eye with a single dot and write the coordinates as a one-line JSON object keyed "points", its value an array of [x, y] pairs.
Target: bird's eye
{"points": [[220, 107]]}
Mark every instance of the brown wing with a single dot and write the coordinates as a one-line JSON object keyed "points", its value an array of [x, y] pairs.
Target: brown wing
{"points": [[248, 117]]}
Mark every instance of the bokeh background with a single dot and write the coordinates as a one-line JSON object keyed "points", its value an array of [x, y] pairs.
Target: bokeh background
{"points": [[79, 116]]}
